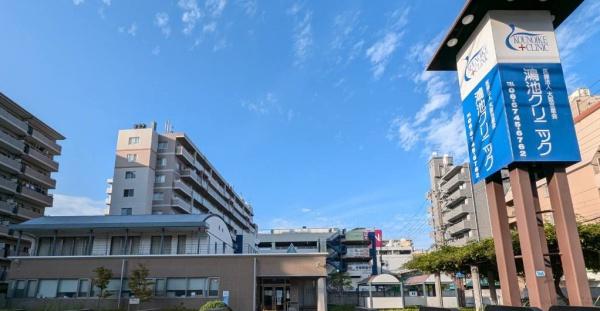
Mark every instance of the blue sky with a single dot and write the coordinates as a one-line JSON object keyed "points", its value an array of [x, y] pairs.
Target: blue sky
{"points": [[319, 113]]}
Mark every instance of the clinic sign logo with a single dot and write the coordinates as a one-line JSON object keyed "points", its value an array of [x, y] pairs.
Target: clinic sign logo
{"points": [[526, 41], [475, 62]]}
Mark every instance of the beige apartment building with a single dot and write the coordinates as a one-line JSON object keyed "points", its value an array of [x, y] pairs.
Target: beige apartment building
{"points": [[458, 212], [165, 173], [584, 177], [27, 150]]}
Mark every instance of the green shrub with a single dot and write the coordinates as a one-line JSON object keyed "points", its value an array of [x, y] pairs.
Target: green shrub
{"points": [[215, 304]]}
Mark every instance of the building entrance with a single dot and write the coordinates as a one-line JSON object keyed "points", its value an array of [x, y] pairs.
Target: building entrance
{"points": [[275, 295]]}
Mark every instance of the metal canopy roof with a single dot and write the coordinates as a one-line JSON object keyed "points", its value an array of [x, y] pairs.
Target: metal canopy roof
{"points": [[444, 58], [113, 221]]}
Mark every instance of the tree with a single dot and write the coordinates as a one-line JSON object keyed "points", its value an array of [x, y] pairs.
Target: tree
{"points": [[139, 284], [339, 281], [101, 279]]}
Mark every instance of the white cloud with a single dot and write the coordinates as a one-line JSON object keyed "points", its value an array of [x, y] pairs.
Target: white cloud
{"points": [[380, 52], [435, 126], [190, 16], [215, 7], [305, 210], [220, 44], [156, 50], [303, 38], [263, 105], [107, 2], [250, 7], [66, 205], [210, 27], [132, 30], [161, 20], [78, 2]]}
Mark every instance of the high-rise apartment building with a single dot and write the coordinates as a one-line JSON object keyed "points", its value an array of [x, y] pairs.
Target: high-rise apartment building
{"points": [[458, 211], [165, 173], [27, 150]]}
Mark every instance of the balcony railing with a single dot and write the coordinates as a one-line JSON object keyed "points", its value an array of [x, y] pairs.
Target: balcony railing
{"points": [[47, 142], [454, 182], [9, 208], [182, 204], [185, 154], [43, 160], [183, 188], [10, 164], [39, 177], [27, 213], [13, 121], [456, 212], [191, 174], [455, 198], [8, 185], [37, 197], [11, 143], [459, 227]]}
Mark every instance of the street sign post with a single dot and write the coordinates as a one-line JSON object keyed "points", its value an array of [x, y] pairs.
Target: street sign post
{"points": [[517, 116]]}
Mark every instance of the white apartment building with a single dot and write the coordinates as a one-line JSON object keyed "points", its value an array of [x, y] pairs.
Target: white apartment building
{"points": [[393, 254], [165, 173]]}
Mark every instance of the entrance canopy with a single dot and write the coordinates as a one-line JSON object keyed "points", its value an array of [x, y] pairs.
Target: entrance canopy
{"points": [[381, 279], [473, 12]]}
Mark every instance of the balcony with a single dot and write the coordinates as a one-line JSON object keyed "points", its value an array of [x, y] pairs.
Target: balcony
{"points": [[11, 143], [36, 197], [182, 204], [456, 213], [42, 160], [454, 182], [45, 180], [27, 213], [460, 227], [13, 122], [192, 176], [46, 142], [8, 208], [8, 164], [188, 157], [8, 185], [455, 198], [183, 188]]}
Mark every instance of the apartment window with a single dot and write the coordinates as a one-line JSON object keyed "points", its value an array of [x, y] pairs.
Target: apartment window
{"points": [[159, 179], [134, 140], [44, 247], [162, 162], [31, 288], [176, 287], [131, 157], [213, 287], [118, 247], [126, 211], [160, 287], [19, 290], [130, 174], [181, 241], [196, 287], [67, 288], [158, 196], [163, 146], [47, 289], [128, 193], [84, 288], [155, 245]]}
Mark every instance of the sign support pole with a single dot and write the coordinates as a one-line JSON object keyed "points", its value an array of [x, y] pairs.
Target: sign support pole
{"points": [[542, 234], [571, 255], [507, 269], [529, 238]]}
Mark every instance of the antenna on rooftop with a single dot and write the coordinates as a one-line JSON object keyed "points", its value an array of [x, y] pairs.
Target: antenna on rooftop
{"points": [[168, 127]]}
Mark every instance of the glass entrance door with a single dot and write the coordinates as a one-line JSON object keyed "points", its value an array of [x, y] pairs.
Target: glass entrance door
{"points": [[275, 297]]}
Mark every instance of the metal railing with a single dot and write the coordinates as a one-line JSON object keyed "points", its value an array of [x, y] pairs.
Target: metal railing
{"points": [[14, 121], [12, 164], [46, 141]]}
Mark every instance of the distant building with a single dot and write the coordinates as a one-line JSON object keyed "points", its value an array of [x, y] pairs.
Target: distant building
{"points": [[28, 148], [347, 250], [393, 254], [458, 211], [165, 173]]}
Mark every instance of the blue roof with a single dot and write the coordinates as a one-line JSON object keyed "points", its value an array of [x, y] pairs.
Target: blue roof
{"points": [[113, 221]]}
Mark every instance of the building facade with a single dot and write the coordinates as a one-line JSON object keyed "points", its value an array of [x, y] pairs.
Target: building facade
{"points": [[28, 148], [189, 258], [584, 177], [393, 254], [302, 240], [165, 173], [458, 211]]}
